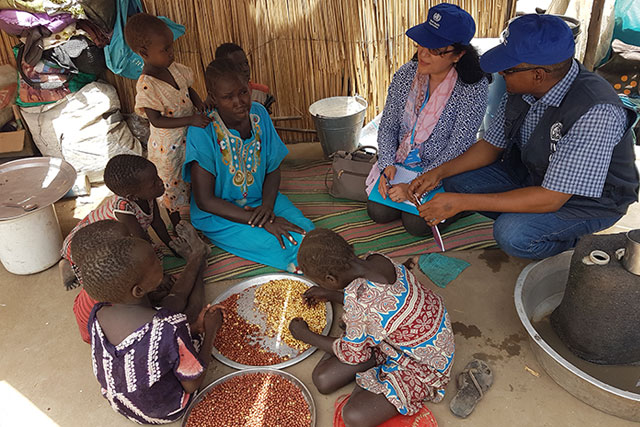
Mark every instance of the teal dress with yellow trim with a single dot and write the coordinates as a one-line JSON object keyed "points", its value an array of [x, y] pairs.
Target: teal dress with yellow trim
{"points": [[240, 167]]}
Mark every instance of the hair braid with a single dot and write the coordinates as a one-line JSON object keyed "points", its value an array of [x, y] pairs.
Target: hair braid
{"points": [[226, 49], [218, 68]]}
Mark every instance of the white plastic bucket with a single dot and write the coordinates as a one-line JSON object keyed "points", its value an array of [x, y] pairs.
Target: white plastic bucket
{"points": [[30, 243]]}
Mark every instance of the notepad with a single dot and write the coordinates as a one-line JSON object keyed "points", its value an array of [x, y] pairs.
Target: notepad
{"points": [[402, 176]]}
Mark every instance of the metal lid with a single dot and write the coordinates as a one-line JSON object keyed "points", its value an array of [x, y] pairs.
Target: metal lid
{"points": [[338, 106], [31, 184]]}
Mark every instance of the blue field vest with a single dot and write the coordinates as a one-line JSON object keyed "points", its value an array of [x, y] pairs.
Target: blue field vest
{"points": [[529, 164]]}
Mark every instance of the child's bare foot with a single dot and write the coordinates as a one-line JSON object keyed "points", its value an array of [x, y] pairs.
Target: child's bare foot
{"points": [[185, 230], [410, 263], [68, 277], [181, 246]]}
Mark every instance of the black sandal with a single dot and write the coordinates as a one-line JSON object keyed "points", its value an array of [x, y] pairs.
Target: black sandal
{"points": [[473, 382]]}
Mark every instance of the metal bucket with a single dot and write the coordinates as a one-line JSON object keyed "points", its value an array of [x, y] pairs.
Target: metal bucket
{"points": [[631, 257], [338, 121]]}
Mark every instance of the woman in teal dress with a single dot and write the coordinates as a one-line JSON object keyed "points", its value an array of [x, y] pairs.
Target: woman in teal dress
{"points": [[234, 167]]}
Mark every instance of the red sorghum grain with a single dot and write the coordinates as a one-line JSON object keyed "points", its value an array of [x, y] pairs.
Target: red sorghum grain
{"points": [[252, 400], [234, 338]]}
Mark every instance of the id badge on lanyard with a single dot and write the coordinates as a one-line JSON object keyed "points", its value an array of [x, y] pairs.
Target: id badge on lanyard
{"points": [[414, 155]]}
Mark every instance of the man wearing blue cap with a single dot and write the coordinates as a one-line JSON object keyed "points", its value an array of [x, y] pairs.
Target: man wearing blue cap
{"points": [[557, 162]]}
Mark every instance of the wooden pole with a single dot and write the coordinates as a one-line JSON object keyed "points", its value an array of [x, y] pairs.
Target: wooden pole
{"points": [[288, 129], [593, 35], [283, 118]]}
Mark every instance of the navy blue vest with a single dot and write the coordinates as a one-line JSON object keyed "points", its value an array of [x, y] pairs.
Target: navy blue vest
{"points": [[530, 164]]}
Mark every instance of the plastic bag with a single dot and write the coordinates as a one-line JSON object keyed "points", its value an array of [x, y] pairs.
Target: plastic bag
{"points": [[627, 21], [139, 128], [86, 129], [120, 59], [369, 133]]}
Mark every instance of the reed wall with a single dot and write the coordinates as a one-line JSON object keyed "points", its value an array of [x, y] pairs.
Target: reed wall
{"points": [[304, 50]]}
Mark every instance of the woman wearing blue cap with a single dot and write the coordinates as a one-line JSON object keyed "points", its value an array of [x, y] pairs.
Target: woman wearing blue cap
{"points": [[434, 107]]}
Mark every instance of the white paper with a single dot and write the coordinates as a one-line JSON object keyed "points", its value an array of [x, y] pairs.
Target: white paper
{"points": [[403, 176]]}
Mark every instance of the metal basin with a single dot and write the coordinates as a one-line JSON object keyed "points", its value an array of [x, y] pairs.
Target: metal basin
{"points": [[259, 280], [305, 391], [539, 290]]}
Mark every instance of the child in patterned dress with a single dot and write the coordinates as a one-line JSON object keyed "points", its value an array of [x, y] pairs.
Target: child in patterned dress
{"points": [[398, 343], [164, 95], [145, 359], [136, 185]]}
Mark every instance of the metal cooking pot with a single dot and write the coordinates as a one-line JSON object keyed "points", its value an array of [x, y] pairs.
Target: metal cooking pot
{"points": [[631, 257]]}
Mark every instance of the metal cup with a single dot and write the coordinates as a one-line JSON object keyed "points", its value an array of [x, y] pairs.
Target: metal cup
{"points": [[631, 258]]}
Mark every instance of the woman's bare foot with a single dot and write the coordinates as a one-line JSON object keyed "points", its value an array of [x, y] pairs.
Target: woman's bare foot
{"points": [[185, 230], [181, 246], [68, 277]]}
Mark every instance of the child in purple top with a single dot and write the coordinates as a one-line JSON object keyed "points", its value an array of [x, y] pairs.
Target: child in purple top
{"points": [[145, 359]]}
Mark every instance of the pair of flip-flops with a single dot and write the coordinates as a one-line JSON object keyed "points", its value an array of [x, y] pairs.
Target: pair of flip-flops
{"points": [[473, 382]]}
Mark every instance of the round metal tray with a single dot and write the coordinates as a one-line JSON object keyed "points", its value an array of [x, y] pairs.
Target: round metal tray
{"points": [[258, 280], [35, 180], [293, 379]]}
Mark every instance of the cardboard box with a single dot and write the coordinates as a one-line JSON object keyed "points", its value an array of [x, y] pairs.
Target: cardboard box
{"points": [[17, 143]]}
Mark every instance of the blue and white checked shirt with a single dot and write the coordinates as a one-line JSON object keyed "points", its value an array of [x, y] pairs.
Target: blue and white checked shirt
{"points": [[581, 161]]}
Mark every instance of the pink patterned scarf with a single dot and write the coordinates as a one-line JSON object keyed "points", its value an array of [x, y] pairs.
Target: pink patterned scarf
{"points": [[424, 121]]}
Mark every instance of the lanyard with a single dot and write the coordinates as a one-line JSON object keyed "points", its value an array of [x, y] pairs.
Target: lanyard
{"points": [[413, 131]]}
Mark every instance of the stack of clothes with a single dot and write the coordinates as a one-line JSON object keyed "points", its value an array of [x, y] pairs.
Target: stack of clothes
{"points": [[63, 48], [61, 45]]}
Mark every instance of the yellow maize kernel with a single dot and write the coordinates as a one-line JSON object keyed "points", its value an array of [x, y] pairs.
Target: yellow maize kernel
{"points": [[281, 301]]}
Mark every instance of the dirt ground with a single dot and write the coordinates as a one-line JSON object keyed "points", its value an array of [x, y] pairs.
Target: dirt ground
{"points": [[46, 377]]}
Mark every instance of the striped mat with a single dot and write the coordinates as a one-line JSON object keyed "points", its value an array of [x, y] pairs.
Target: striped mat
{"points": [[305, 187]]}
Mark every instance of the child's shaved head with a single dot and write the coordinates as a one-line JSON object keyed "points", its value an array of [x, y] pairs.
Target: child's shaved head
{"points": [[110, 271], [95, 234], [323, 252], [139, 29], [122, 173]]}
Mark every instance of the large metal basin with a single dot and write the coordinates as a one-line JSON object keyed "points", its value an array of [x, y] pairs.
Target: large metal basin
{"points": [[539, 290]]}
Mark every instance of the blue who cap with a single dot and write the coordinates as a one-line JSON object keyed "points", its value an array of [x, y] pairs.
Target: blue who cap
{"points": [[446, 24], [534, 39]]}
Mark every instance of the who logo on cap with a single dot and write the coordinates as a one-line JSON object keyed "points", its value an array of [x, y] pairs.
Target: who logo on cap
{"points": [[532, 39], [446, 24], [435, 20]]}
